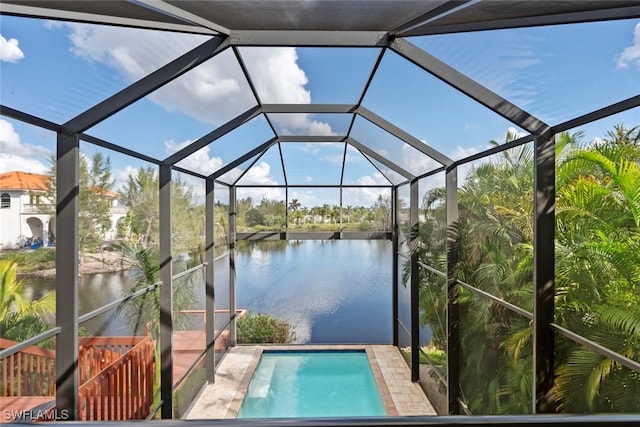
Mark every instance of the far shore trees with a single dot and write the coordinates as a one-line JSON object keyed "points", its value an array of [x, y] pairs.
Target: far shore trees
{"points": [[140, 195], [95, 198]]}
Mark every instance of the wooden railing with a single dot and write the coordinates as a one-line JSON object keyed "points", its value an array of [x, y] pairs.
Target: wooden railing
{"points": [[96, 353], [30, 372], [116, 376], [124, 389]]}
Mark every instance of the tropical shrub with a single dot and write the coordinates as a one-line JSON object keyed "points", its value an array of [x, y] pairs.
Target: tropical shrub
{"points": [[29, 261], [597, 271], [263, 329], [20, 316]]}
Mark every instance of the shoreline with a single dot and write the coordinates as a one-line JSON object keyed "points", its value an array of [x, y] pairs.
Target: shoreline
{"points": [[93, 263]]}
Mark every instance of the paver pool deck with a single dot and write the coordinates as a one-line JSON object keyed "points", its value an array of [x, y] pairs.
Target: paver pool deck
{"points": [[223, 399]]}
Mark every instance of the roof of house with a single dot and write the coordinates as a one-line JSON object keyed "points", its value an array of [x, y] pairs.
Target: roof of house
{"points": [[110, 193], [18, 180]]}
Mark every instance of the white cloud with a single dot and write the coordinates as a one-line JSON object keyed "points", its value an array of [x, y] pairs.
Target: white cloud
{"points": [[203, 163], [132, 52], [631, 54], [301, 124], [513, 133], [277, 76], [309, 197], [415, 161], [334, 158], [314, 148], [9, 50], [9, 138], [121, 176], [200, 161], [460, 152], [213, 92], [366, 196], [308, 179], [260, 174], [279, 80], [17, 155], [10, 162]]}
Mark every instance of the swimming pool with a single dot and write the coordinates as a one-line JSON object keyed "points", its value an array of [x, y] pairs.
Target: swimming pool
{"points": [[312, 384]]}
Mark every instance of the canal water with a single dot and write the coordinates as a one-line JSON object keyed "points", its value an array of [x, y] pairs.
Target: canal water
{"points": [[331, 291]]}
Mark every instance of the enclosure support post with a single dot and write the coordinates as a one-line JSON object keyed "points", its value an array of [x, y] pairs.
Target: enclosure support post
{"points": [[415, 282], [286, 209], [544, 273], [233, 339], [67, 208], [209, 281], [340, 216], [453, 316], [166, 303], [394, 250]]}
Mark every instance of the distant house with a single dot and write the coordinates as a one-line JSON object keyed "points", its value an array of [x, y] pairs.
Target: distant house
{"points": [[27, 216]]}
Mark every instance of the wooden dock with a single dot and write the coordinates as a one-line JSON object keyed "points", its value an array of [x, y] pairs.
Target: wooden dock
{"points": [[188, 346]]}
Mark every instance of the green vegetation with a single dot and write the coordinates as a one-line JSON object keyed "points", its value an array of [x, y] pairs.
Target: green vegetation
{"points": [[141, 196], [21, 317], [29, 261], [95, 198], [143, 312], [269, 215], [262, 329], [436, 356], [187, 391], [597, 274]]}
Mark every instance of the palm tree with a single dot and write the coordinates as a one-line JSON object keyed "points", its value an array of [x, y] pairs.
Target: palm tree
{"points": [[597, 274], [589, 382], [21, 317], [294, 205], [143, 312], [496, 229], [295, 208], [347, 213], [598, 271]]}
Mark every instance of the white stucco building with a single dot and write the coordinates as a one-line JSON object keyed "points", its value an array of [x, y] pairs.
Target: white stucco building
{"points": [[28, 216]]}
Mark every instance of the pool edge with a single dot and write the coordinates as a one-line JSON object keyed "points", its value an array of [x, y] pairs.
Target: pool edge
{"points": [[383, 390]]}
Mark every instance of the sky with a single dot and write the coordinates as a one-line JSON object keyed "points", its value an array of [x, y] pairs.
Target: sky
{"points": [[56, 70]]}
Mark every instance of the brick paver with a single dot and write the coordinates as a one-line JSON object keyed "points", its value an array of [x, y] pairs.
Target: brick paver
{"points": [[223, 399]]}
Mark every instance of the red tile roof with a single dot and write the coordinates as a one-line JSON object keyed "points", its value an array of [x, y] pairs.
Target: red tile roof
{"points": [[17, 180]]}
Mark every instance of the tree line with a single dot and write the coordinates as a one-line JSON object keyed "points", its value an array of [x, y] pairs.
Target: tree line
{"points": [[272, 214], [597, 270], [140, 195]]}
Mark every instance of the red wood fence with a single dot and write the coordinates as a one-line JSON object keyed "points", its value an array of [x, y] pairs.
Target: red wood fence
{"points": [[116, 376], [30, 372], [123, 390]]}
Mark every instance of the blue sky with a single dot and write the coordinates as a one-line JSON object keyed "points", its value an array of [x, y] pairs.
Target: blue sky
{"points": [[56, 70]]}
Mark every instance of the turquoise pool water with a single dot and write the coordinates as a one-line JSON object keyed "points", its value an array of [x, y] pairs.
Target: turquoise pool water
{"points": [[312, 384]]}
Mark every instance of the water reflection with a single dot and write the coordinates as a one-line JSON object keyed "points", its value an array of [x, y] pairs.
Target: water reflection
{"points": [[331, 291]]}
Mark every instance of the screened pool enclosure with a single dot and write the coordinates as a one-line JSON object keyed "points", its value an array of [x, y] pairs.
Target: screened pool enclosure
{"points": [[494, 144]]}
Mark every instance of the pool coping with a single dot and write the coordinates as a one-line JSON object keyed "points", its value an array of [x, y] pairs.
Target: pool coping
{"points": [[222, 398], [385, 394]]}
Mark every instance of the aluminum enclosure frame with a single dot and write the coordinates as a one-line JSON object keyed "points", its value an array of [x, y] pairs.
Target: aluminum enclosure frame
{"points": [[542, 134]]}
